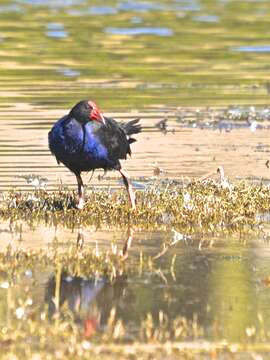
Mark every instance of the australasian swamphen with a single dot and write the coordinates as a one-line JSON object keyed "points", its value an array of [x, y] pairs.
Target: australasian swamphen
{"points": [[86, 140]]}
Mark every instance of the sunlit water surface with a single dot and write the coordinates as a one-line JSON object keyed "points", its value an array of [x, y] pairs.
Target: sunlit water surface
{"points": [[170, 59], [223, 283]]}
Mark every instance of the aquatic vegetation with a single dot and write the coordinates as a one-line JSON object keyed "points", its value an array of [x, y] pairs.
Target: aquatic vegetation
{"points": [[172, 54], [36, 181], [31, 330], [62, 326], [227, 118], [205, 207], [68, 323]]}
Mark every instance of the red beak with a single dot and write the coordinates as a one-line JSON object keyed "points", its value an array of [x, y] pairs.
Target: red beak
{"points": [[95, 113]]}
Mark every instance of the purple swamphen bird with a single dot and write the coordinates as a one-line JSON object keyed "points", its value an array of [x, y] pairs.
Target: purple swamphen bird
{"points": [[86, 140]]}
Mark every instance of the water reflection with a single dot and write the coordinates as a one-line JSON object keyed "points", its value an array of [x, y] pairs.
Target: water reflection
{"points": [[68, 72], [253, 49], [91, 300], [140, 6], [125, 246], [56, 30], [203, 65], [102, 10], [10, 8], [223, 284], [140, 31], [53, 3], [188, 5], [216, 288], [206, 18]]}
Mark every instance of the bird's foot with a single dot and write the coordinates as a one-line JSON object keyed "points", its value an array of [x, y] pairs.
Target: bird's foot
{"points": [[80, 204], [101, 177], [133, 206]]}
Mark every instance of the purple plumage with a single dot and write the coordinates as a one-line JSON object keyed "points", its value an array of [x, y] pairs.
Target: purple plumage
{"points": [[85, 140]]}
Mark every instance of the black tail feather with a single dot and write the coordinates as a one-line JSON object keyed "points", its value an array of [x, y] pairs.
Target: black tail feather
{"points": [[131, 140], [132, 127]]}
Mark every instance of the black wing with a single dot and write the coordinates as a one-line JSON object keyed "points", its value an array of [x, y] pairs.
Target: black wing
{"points": [[114, 138], [131, 127]]}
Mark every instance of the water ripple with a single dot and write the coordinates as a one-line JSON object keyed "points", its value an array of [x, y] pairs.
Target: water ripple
{"points": [[139, 6], [53, 3], [206, 18], [140, 31], [254, 48], [102, 10], [56, 30], [68, 72]]}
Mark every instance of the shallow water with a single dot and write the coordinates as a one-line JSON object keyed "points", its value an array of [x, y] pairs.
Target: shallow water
{"points": [[189, 149], [224, 285], [135, 58], [203, 52], [54, 53], [203, 66]]}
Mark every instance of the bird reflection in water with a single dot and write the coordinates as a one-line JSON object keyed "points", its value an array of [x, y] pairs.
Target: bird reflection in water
{"points": [[126, 246], [91, 300]]}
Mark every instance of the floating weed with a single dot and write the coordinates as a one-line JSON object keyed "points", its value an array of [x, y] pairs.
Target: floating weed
{"points": [[205, 207]]}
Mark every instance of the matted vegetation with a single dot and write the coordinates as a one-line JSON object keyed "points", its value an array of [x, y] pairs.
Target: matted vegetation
{"points": [[207, 207], [53, 328]]}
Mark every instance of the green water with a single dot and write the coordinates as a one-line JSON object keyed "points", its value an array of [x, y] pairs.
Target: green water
{"points": [[54, 53]]}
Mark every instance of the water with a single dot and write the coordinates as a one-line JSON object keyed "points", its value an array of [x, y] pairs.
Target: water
{"points": [[102, 10], [56, 30], [197, 56], [239, 146], [223, 285], [68, 72], [253, 49], [140, 31], [195, 72], [206, 18]]}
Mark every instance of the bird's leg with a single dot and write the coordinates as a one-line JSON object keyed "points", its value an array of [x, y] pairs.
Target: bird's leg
{"points": [[104, 173], [221, 173], [80, 239], [91, 175], [128, 187], [101, 177], [127, 243], [80, 192]]}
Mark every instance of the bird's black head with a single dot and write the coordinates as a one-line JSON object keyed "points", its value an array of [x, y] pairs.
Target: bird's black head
{"points": [[85, 111]]}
